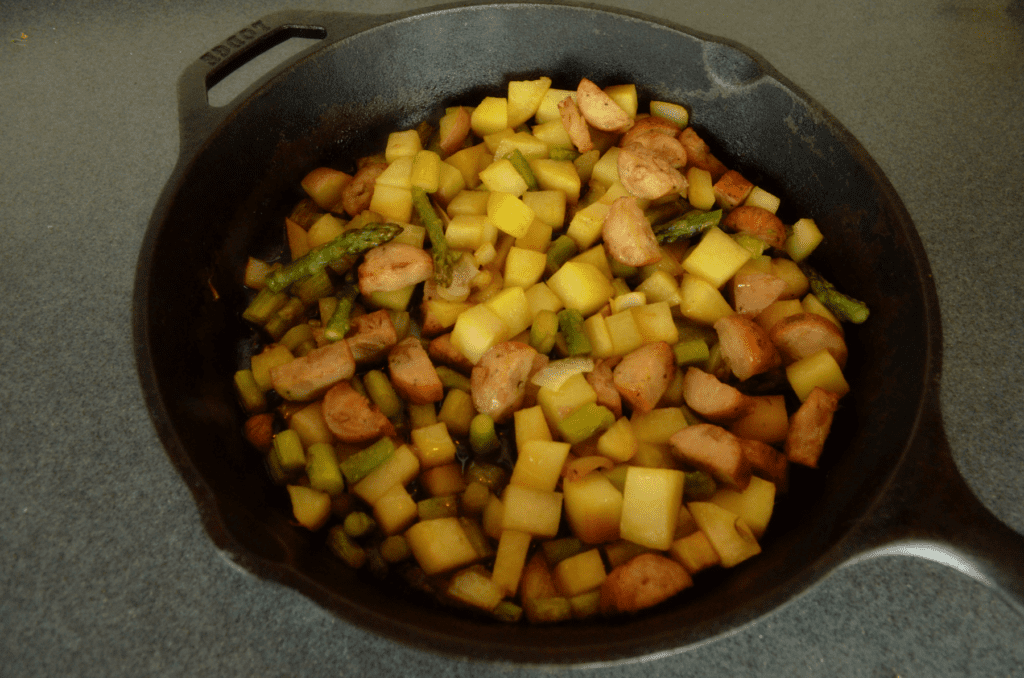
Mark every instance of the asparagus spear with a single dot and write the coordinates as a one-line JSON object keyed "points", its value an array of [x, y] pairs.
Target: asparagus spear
{"points": [[570, 323], [518, 161], [444, 260], [687, 226], [561, 250], [845, 307], [348, 243], [482, 436], [339, 325], [699, 486], [360, 464]]}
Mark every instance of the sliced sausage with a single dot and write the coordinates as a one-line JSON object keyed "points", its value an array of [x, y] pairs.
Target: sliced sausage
{"points": [[352, 417], [647, 175], [442, 350], [308, 377], [642, 582], [731, 189], [699, 155], [711, 399], [393, 266], [746, 348], [373, 336], [758, 222], [754, 292], [628, 235], [643, 375], [356, 196], [809, 427], [412, 373], [498, 381], [766, 462], [804, 334], [713, 450], [599, 109], [603, 383], [575, 125]]}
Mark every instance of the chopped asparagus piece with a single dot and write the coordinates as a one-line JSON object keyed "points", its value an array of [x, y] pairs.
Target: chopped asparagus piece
{"points": [[452, 378], [492, 476], [345, 548], [557, 550], [563, 153], [585, 421], [845, 307], [383, 394], [249, 393], [315, 287], [438, 507], [687, 226], [264, 305], [692, 352], [348, 243], [338, 325], [570, 323], [359, 524], [360, 464], [544, 331], [519, 162], [289, 456], [444, 259], [561, 250], [322, 469], [482, 436], [698, 486]]}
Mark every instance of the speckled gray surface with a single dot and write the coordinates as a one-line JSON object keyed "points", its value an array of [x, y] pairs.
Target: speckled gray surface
{"points": [[105, 569]]}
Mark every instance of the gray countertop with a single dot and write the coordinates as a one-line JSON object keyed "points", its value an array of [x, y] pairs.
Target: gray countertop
{"points": [[105, 569]]}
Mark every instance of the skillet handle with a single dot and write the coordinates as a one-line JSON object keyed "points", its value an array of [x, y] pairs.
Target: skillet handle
{"points": [[929, 511], [198, 119]]}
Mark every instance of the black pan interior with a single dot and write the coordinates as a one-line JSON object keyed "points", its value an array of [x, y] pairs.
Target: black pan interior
{"points": [[229, 201]]}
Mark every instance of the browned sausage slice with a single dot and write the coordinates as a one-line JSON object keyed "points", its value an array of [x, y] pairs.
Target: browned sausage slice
{"points": [[499, 379], [353, 418], [643, 375], [412, 373]]}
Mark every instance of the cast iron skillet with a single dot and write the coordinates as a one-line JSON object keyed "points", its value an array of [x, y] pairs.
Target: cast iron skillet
{"points": [[888, 484]]}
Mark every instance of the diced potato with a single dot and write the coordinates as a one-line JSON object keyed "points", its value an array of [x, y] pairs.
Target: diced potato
{"points": [[658, 425], [766, 421], [392, 202], [511, 306], [524, 267], [650, 506], [811, 304], [457, 412], [450, 183], [654, 322], [440, 545], [325, 229], [557, 175], [444, 480], [494, 514], [694, 552], [490, 116], [539, 297], [606, 170], [530, 424], [581, 286], [558, 404], [547, 110], [513, 546], [534, 511], [310, 507], [552, 133], [548, 206], [509, 213], [758, 197], [625, 96], [477, 330], [653, 455], [618, 443], [502, 176], [325, 185], [777, 311], [433, 445], [585, 226], [596, 328], [701, 302], [395, 300], [271, 356], [466, 203], [806, 236], [395, 510], [661, 286], [469, 162], [537, 237], [399, 469], [426, 171], [298, 239], [473, 587], [597, 257], [593, 507], [796, 282], [716, 258], [624, 332], [309, 423], [398, 173], [754, 504], [443, 314], [402, 144], [820, 370], [729, 534], [579, 573], [539, 464], [700, 192]]}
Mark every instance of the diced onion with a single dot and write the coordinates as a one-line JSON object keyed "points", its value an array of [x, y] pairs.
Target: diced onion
{"points": [[557, 372]]}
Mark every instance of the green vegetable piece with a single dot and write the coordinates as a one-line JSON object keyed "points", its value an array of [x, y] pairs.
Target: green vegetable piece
{"points": [[570, 324], [444, 259], [751, 243], [395, 549], [362, 463], [845, 307], [585, 421], [563, 153], [438, 507], [313, 288], [557, 550], [492, 476], [518, 161], [322, 469], [294, 338], [544, 331], [621, 270], [289, 454], [345, 548], [383, 394], [351, 242], [687, 226], [452, 378], [359, 524], [586, 604], [482, 436], [691, 352], [477, 539], [249, 393], [698, 486], [561, 250], [340, 322], [507, 611], [264, 305]]}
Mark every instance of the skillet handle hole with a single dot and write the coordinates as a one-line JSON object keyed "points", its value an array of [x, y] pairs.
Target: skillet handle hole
{"points": [[249, 65]]}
